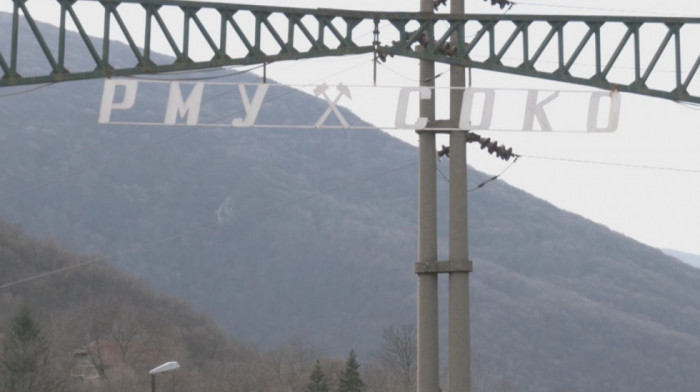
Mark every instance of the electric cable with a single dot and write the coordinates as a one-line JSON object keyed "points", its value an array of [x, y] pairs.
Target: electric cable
{"points": [[447, 179], [577, 64], [169, 238], [62, 158], [617, 164], [12, 94], [692, 106], [67, 268], [397, 73], [494, 178], [27, 91], [413, 79], [48, 273], [71, 154], [626, 11], [291, 91], [483, 183], [315, 194], [157, 79], [145, 146]]}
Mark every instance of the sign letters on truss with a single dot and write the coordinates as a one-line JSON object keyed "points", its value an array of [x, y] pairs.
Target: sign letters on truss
{"points": [[246, 105]]}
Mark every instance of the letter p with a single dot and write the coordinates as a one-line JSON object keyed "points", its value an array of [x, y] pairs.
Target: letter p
{"points": [[108, 104]]}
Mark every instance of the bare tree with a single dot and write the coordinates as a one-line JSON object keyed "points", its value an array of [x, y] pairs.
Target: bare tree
{"points": [[132, 339], [248, 375], [291, 364], [116, 344], [398, 356]]}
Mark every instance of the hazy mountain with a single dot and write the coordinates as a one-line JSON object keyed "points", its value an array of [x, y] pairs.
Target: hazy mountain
{"points": [[687, 258], [312, 233]]}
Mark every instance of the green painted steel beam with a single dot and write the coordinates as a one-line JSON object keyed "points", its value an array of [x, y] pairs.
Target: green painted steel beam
{"points": [[655, 56]]}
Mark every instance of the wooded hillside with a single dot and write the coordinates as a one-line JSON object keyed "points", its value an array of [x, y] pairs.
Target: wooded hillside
{"points": [[277, 234]]}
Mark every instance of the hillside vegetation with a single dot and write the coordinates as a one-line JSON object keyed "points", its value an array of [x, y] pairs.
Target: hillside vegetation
{"points": [[94, 306], [278, 234], [84, 327]]}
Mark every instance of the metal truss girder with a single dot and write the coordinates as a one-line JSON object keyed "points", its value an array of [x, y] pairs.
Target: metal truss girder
{"points": [[562, 53], [608, 46]]}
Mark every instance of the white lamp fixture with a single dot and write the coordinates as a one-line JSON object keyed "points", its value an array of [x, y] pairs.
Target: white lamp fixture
{"points": [[166, 367]]}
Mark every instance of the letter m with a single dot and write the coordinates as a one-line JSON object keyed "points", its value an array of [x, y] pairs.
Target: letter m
{"points": [[181, 108]]}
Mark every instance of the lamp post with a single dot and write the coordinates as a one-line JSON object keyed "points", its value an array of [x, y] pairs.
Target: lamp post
{"points": [[166, 367]]}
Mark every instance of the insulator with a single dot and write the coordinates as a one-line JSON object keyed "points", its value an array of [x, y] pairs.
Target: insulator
{"points": [[492, 147], [423, 40], [438, 3], [502, 3], [448, 50]]}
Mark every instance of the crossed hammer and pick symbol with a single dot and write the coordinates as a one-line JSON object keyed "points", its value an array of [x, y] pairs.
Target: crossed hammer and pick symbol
{"points": [[343, 91]]}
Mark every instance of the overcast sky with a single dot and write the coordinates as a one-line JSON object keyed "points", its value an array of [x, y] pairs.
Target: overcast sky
{"points": [[657, 207], [643, 180]]}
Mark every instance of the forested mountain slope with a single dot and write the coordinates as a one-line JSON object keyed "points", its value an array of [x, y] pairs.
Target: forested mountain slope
{"points": [[312, 233], [89, 309]]}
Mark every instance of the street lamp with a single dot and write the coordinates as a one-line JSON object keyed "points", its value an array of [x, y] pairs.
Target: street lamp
{"points": [[166, 367]]}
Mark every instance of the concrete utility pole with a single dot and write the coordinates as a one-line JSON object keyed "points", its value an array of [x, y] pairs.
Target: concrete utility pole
{"points": [[458, 266], [428, 377]]}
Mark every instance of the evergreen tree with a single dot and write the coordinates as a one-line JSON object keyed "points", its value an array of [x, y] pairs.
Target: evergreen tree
{"points": [[350, 380], [24, 355], [317, 380]]}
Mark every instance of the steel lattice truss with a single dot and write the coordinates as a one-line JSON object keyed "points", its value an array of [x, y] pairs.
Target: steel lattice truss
{"points": [[645, 55]]}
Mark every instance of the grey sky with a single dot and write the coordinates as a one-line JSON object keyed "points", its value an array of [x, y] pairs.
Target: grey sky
{"points": [[651, 191]]}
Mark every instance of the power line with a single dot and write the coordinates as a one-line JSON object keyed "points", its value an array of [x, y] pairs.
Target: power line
{"points": [[485, 182], [318, 193], [147, 145], [27, 91], [140, 246], [580, 161], [62, 158], [89, 147], [494, 178], [384, 65], [689, 105], [619, 10], [138, 77], [45, 274], [617, 164], [410, 78]]}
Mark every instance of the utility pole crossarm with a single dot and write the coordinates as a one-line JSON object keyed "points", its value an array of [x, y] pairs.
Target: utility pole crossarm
{"points": [[652, 56]]}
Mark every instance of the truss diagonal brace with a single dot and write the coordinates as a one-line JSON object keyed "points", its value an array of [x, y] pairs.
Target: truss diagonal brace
{"points": [[258, 34]]}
